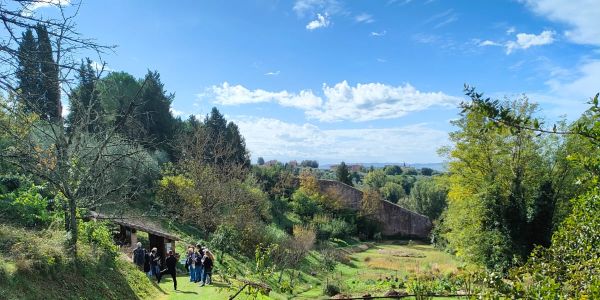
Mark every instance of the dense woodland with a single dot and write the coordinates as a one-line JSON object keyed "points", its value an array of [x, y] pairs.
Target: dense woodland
{"points": [[518, 203]]}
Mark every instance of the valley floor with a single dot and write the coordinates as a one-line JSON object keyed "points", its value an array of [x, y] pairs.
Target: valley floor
{"points": [[378, 269]]}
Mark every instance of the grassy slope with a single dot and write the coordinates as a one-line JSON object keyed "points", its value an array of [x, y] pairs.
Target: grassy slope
{"points": [[365, 272], [33, 265]]}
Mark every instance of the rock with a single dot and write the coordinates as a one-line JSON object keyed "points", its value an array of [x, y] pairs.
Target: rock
{"points": [[394, 293]]}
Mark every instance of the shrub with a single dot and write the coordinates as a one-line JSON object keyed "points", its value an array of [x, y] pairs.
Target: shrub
{"points": [[99, 237], [25, 206], [331, 289]]}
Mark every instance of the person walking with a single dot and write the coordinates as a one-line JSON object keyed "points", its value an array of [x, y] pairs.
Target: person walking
{"points": [[190, 262], [198, 262], [139, 256], [171, 263], [155, 263], [147, 268], [207, 265]]}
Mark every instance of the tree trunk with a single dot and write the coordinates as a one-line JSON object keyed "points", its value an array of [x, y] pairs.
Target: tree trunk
{"points": [[73, 225]]}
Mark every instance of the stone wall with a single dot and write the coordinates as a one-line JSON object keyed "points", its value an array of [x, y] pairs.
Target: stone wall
{"points": [[396, 220]]}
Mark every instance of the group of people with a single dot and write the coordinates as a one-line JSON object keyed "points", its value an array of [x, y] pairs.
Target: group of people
{"points": [[150, 263], [199, 263]]}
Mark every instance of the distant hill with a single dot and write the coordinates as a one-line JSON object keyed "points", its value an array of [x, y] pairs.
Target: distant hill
{"points": [[436, 166]]}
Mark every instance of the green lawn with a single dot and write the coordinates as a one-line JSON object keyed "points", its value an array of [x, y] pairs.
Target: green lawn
{"points": [[376, 270]]}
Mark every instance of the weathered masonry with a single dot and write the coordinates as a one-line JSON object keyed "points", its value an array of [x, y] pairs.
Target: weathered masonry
{"points": [[129, 227], [395, 220]]}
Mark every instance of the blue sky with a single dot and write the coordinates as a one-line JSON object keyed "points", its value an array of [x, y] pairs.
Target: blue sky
{"points": [[359, 81]]}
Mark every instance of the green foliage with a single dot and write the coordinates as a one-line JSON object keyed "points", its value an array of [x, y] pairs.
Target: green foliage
{"points": [[392, 192], [343, 174], [332, 228], [375, 179], [393, 170], [427, 197], [23, 204], [331, 289], [305, 204], [99, 236], [569, 268], [225, 239]]}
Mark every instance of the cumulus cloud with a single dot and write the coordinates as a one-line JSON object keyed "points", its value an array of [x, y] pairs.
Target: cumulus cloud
{"points": [[322, 21], [364, 18], [372, 101], [227, 94], [362, 102], [273, 138], [527, 40], [580, 15]]}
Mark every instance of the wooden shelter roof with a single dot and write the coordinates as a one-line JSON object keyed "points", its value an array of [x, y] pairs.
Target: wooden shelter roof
{"points": [[137, 224]]}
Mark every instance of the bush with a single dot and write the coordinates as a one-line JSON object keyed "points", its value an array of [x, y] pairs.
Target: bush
{"points": [[25, 206], [99, 237], [331, 290]]}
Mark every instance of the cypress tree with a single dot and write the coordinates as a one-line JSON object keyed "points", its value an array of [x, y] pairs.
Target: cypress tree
{"points": [[28, 73], [50, 83]]}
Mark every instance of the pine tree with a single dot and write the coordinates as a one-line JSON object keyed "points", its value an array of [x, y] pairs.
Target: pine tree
{"points": [[50, 83], [85, 103], [239, 155], [28, 73], [154, 113]]}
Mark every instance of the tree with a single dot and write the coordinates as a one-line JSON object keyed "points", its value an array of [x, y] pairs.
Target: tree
{"points": [[343, 174], [392, 192], [309, 164], [50, 82], [154, 113], [375, 179], [78, 165], [426, 171], [85, 104], [393, 170], [427, 197], [260, 161], [496, 175], [28, 73]]}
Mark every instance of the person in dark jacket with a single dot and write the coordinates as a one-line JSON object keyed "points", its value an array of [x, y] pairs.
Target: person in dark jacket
{"points": [[139, 256], [147, 268], [207, 265], [171, 263]]}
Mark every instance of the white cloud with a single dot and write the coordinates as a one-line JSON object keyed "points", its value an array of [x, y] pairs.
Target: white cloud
{"points": [[527, 40], [381, 60], [364, 18], [322, 21], [310, 7], [363, 102], [380, 33], [373, 101], [227, 94], [511, 30], [33, 5], [580, 15], [175, 112], [489, 43], [276, 139], [272, 73], [100, 67]]}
